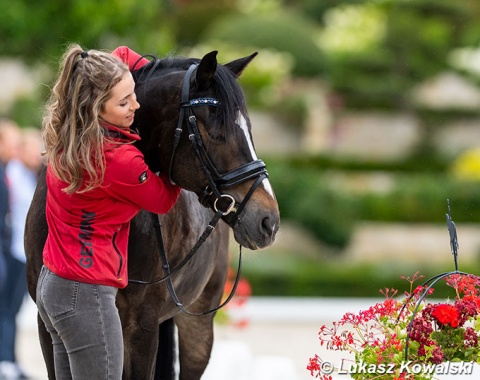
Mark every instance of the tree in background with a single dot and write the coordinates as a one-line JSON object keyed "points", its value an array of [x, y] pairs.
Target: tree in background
{"points": [[371, 52], [39, 31], [389, 46]]}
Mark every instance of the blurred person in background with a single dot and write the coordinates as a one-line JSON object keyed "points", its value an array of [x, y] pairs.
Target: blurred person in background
{"points": [[3, 213], [21, 172], [9, 135]]}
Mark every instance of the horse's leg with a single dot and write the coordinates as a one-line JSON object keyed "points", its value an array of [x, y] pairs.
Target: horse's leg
{"points": [[165, 360], [195, 334], [140, 337], [43, 335], [47, 348], [195, 341], [36, 231]]}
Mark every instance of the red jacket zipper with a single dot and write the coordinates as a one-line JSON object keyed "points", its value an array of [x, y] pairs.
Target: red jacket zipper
{"points": [[119, 256]]}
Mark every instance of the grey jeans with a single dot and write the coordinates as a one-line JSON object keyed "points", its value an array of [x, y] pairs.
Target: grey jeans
{"points": [[85, 327]]}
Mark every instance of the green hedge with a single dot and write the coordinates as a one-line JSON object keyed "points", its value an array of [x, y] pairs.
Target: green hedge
{"points": [[419, 162], [307, 197], [423, 198], [327, 278]]}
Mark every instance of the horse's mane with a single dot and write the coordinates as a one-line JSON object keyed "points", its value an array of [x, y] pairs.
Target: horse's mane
{"points": [[225, 87]]}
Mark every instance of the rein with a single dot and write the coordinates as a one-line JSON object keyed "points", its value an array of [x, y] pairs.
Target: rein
{"points": [[216, 182], [168, 273]]}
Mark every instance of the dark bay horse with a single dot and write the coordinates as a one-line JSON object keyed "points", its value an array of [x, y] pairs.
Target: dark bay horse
{"points": [[194, 125]]}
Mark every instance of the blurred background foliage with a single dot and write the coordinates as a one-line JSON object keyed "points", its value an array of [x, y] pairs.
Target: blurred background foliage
{"points": [[370, 54]]}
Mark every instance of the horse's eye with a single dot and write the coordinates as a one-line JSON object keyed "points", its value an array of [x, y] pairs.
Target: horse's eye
{"points": [[216, 136]]}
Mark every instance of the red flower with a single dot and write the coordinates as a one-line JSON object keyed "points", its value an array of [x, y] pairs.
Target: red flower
{"points": [[446, 314], [313, 365]]}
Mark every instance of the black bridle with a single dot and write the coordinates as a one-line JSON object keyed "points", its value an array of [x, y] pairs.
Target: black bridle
{"points": [[216, 182]]}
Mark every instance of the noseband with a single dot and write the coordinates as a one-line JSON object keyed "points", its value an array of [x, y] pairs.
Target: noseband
{"points": [[212, 196]]}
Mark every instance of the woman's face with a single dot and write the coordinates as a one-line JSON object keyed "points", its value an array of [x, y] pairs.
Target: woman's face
{"points": [[120, 108]]}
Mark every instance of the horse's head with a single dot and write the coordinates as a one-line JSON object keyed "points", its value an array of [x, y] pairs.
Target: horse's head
{"points": [[195, 126]]}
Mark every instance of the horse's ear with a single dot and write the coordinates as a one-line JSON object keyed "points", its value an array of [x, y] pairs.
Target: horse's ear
{"points": [[206, 69], [237, 66]]}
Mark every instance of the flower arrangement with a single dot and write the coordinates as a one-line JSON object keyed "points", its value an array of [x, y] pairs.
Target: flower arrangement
{"points": [[409, 338]]}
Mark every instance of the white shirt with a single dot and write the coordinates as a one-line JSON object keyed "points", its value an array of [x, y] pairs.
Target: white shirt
{"points": [[22, 182]]}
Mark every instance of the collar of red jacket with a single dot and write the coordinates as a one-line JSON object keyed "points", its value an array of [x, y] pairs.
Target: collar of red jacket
{"points": [[119, 133]]}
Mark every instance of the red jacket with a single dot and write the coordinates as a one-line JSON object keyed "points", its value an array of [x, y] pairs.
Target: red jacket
{"points": [[88, 232]]}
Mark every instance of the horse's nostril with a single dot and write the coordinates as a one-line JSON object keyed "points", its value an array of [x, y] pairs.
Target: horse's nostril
{"points": [[268, 226]]}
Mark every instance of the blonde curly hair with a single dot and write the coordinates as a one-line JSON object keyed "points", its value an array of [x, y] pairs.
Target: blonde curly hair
{"points": [[72, 135]]}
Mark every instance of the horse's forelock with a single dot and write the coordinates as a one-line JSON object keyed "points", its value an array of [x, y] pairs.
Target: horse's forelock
{"points": [[229, 93]]}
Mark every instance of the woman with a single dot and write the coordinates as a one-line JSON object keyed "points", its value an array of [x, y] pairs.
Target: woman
{"points": [[97, 182]]}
